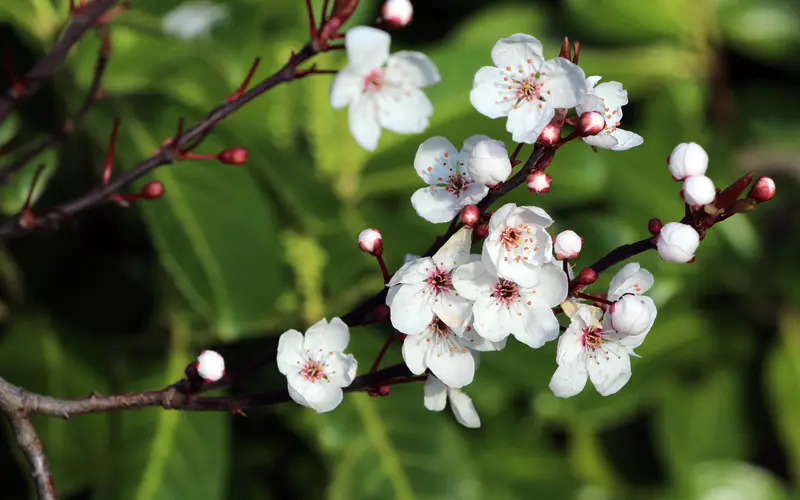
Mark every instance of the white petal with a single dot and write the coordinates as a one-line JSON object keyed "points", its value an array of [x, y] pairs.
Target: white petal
{"points": [[472, 281], [625, 140], [540, 324], [570, 345], [435, 204], [612, 93], [333, 336], [411, 310], [413, 69], [296, 396], [341, 369], [630, 279], [565, 81], [611, 370], [478, 343], [435, 394], [470, 143], [321, 395], [472, 195], [591, 81], [590, 102], [453, 309], [569, 380], [454, 368], [498, 218], [463, 409], [367, 48], [601, 140], [413, 271], [527, 121], [404, 111], [347, 86], [516, 50], [290, 351], [486, 96], [495, 321], [363, 120], [456, 251], [415, 349], [435, 160], [552, 285]]}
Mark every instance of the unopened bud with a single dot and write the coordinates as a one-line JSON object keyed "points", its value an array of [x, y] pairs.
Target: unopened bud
{"points": [[698, 190], [567, 245], [632, 314], [152, 190], [370, 241], [687, 160], [550, 135], [677, 242], [587, 276], [488, 163], [470, 215], [591, 123], [398, 13], [763, 190], [538, 182], [342, 10], [480, 232], [384, 390], [210, 366], [233, 156], [654, 225]]}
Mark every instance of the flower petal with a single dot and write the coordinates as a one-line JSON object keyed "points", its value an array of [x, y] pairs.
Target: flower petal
{"points": [[411, 69], [435, 394], [630, 279], [435, 160], [527, 120], [601, 140], [404, 111], [363, 120], [341, 369], [495, 321], [570, 346], [477, 343], [610, 371], [413, 271], [569, 380], [291, 353], [367, 48], [472, 281], [463, 409], [612, 93], [486, 96], [453, 309], [516, 50], [321, 395], [552, 285], [470, 143], [415, 349], [540, 324], [347, 86], [333, 336], [625, 140], [456, 251], [499, 217], [590, 102], [454, 368], [565, 81], [472, 195], [411, 308], [435, 204]]}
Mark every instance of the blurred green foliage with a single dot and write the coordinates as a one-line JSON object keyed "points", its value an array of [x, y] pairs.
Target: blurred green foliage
{"points": [[232, 256]]}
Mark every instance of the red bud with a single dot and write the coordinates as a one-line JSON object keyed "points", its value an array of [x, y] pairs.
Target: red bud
{"points": [[654, 225], [152, 190], [233, 156], [470, 215]]}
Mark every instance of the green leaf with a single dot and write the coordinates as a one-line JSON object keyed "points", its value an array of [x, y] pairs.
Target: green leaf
{"points": [[35, 357], [702, 423], [166, 454]]}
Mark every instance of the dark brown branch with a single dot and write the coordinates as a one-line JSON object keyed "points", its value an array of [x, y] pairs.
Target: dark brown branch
{"points": [[101, 194], [12, 404], [45, 68], [6, 173]]}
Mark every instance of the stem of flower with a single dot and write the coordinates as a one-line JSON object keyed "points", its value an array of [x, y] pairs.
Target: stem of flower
{"points": [[593, 298], [384, 269], [379, 358], [406, 380], [516, 152]]}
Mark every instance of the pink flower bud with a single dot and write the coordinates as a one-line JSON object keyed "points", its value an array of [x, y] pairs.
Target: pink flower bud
{"points": [[385, 390], [480, 232], [698, 190], [538, 182], [654, 225], [550, 135], [632, 315], [677, 242], [687, 160], [567, 245], [587, 276], [233, 156], [152, 190], [210, 366], [470, 215], [763, 190], [591, 123], [488, 162], [370, 241], [398, 12]]}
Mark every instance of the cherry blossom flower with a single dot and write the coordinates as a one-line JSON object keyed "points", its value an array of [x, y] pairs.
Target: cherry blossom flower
{"points": [[423, 288], [450, 188], [687, 160], [489, 163], [210, 366], [632, 313], [437, 394], [607, 99], [371, 241], [382, 91], [502, 307], [567, 245], [524, 87], [518, 244], [193, 19], [315, 366], [677, 242]]}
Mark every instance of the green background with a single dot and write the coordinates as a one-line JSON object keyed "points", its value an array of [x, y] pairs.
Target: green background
{"points": [[120, 300]]}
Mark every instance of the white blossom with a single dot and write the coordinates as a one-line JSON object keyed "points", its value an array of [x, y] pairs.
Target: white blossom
{"points": [[687, 160], [451, 188], [315, 365], [489, 163], [191, 19], [382, 91], [518, 243], [567, 244], [437, 394], [502, 307], [698, 190], [210, 366], [677, 242], [632, 314], [397, 12], [370, 241], [607, 99], [524, 87]]}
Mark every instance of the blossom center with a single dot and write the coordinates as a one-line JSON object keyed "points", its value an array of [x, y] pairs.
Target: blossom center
{"points": [[374, 81], [457, 184], [440, 280], [313, 370], [506, 292], [442, 338], [523, 85], [529, 88], [517, 240]]}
